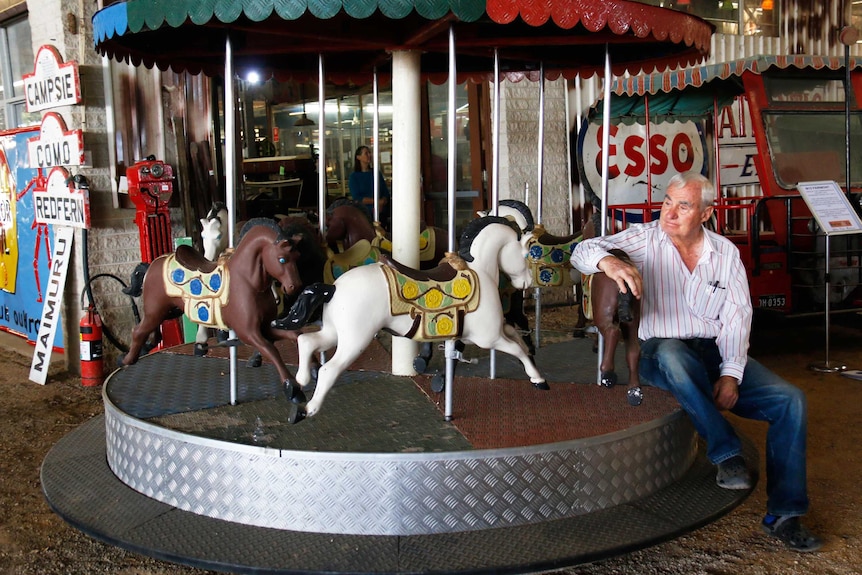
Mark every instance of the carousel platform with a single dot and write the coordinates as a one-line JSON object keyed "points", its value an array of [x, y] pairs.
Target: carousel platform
{"points": [[520, 480]]}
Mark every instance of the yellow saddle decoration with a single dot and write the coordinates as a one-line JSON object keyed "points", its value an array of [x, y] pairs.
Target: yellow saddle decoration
{"points": [[203, 294], [439, 307], [427, 242], [359, 254]]}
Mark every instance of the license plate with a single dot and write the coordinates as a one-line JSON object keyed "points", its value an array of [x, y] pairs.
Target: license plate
{"points": [[779, 300]]}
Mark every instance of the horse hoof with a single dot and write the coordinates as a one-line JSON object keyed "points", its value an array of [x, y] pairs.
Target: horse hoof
{"points": [[222, 335], [297, 414], [420, 364], [635, 396], [201, 349], [543, 385], [254, 361], [609, 379], [579, 333], [438, 382], [293, 393]]}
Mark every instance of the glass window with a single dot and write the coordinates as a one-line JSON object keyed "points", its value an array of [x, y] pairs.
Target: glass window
{"points": [[811, 146], [819, 91], [16, 59]]}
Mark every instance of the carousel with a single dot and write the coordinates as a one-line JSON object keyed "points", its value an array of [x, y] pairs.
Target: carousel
{"points": [[206, 462]]}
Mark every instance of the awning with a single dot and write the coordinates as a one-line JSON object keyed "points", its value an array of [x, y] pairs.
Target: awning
{"points": [[697, 76], [284, 37], [693, 92]]}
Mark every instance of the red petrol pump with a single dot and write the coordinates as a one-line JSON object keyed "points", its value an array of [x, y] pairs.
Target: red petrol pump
{"points": [[151, 184]]}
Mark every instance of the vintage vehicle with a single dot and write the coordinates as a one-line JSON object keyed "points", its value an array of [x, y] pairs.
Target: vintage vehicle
{"points": [[757, 127]]}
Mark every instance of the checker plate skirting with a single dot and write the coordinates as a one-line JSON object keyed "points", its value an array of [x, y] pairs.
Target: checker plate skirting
{"points": [[396, 493]]}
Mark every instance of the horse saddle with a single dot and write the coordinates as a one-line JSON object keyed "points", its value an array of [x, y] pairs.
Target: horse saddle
{"points": [[437, 299], [548, 256], [427, 242], [361, 253], [191, 259], [203, 289]]}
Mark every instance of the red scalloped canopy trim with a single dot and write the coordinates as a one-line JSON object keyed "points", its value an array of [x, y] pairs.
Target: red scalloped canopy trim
{"points": [[619, 16]]}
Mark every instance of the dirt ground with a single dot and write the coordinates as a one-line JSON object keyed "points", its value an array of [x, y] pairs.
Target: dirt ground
{"points": [[34, 540]]}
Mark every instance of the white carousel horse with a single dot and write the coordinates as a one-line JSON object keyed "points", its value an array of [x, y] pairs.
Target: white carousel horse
{"points": [[214, 239], [438, 304]]}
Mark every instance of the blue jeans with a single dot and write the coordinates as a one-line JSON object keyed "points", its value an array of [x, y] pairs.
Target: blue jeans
{"points": [[689, 368]]}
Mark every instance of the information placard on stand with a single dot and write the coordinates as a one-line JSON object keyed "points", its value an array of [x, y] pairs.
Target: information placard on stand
{"points": [[835, 216], [830, 207]]}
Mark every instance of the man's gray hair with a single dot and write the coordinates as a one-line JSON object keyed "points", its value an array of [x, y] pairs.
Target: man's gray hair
{"points": [[707, 190]]}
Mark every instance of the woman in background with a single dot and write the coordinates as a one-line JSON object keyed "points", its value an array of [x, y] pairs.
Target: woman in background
{"points": [[361, 184]]}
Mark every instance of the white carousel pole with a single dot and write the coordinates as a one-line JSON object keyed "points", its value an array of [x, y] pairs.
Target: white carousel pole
{"points": [[452, 144], [537, 291], [606, 122], [322, 184], [495, 174], [567, 135], [578, 122], [375, 165], [406, 181], [230, 180], [321, 147]]}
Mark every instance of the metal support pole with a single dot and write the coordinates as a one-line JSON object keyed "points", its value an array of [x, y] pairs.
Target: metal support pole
{"points": [[453, 84], [495, 175], [606, 125], [375, 166], [230, 182], [826, 366]]}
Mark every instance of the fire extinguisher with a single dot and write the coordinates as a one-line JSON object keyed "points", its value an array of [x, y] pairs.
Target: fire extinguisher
{"points": [[92, 362]]}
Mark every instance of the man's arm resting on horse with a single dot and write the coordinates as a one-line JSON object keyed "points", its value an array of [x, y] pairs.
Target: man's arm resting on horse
{"points": [[625, 274]]}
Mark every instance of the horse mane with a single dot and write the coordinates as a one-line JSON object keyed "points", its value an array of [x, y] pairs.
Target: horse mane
{"points": [[475, 227], [266, 222], [309, 246], [217, 207], [522, 209], [345, 201]]}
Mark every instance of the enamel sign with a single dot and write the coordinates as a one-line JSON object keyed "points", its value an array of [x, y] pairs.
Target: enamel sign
{"points": [[55, 145], [61, 204], [52, 83], [674, 147]]}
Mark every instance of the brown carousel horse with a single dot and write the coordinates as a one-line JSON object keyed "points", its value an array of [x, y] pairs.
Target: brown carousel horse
{"points": [[616, 315], [234, 295], [347, 223]]}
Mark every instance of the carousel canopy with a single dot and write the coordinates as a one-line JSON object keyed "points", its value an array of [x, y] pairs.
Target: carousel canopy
{"points": [[282, 38]]}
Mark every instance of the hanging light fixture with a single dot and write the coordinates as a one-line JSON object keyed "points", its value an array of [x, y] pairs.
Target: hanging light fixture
{"points": [[304, 121]]}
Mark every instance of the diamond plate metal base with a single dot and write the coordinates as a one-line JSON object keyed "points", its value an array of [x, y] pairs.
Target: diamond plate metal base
{"points": [[173, 471]]}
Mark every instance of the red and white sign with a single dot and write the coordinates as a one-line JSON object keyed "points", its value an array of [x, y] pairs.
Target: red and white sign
{"points": [[60, 203], [736, 146], [55, 145], [52, 83], [676, 146]]}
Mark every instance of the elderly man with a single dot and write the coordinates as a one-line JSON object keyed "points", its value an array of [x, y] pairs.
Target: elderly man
{"points": [[695, 325]]}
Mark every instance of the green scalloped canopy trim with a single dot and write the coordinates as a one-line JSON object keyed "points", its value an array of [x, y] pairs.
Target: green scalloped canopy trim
{"points": [[149, 14]]}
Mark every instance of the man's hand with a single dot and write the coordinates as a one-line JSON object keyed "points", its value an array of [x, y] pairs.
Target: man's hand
{"points": [[626, 275], [726, 392]]}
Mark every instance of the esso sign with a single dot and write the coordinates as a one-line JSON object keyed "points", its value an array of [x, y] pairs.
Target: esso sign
{"points": [[675, 147]]}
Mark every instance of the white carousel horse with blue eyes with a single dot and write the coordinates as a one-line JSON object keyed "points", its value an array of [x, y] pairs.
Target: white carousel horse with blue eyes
{"points": [[456, 300]]}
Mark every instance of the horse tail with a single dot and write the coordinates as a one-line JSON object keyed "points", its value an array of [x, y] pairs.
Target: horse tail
{"points": [[136, 283]]}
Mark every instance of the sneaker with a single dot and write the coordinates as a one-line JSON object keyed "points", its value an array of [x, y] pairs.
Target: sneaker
{"points": [[792, 533], [733, 474]]}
